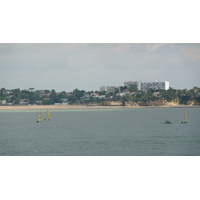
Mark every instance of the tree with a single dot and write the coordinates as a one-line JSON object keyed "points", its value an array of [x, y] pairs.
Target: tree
{"points": [[33, 97], [47, 91], [109, 95], [149, 93], [15, 91], [116, 91], [17, 100], [122, 88], [63, 94], [31, 89], [53, 94], [71, 99], [2, 92], [133, 88], [56, 100], [78, 93], [126, 98], [102, 93], [53, 91], [140, 94], [48, 102]]}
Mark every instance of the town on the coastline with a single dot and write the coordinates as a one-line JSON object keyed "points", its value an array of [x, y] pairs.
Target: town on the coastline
{"points": [[132, 93]]}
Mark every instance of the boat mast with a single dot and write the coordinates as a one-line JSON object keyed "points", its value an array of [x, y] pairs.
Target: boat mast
{"points": [[48, 115], [185, 117]]}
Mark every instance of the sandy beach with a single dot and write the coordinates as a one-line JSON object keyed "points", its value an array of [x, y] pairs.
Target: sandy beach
{"points": [[66, 107], [36, 107]]}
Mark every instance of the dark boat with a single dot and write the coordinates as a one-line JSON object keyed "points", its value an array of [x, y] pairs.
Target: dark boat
{"points": [[167, 122]]}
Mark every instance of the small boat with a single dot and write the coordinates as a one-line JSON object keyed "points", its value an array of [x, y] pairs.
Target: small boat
{"points": [[39, 117], [185, 118], [48, 115], [167, 122]]}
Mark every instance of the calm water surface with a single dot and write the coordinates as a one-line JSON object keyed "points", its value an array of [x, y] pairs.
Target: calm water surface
{"points": [[101, 132]]}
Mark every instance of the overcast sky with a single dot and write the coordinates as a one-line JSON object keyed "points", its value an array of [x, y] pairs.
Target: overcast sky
{"points": [[64, 67]]}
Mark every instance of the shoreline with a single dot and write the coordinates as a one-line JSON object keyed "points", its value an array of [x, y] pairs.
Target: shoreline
{"points": [[68, 107]]}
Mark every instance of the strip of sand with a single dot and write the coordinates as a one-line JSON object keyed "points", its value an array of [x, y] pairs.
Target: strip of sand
{"points": [[30, 107], [38, 107]]}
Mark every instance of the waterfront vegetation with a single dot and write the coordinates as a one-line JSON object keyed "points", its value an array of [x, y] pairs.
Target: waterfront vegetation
{"points": [[123, 95]]}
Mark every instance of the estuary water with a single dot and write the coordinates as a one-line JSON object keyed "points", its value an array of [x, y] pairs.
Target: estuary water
{"points": [[101, 132]]}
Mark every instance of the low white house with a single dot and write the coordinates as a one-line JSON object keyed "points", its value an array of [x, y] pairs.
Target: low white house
{"points": [[24, 102], [57, 103], [9, 104], [86, 95], [121, 94], [64, 100], [95, 95], [39, 101], [2, 101], [102, 96]]}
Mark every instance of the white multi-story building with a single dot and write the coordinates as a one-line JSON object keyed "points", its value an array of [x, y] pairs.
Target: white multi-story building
{"points": [[144, 86], [155, 85], [109, 88]]}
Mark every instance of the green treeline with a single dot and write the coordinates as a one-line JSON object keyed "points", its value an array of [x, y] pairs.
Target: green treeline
{"points": [[123, 95]]}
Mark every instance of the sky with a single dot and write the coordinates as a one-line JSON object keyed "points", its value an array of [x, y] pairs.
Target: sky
{"points": [[88, 66]]}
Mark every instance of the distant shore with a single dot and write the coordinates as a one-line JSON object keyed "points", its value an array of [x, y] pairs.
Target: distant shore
{"points": [[66, 107]]}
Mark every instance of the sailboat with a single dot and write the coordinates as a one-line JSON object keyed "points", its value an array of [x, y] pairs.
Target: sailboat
{"points": [[185, 118], [48, 115], [39, 117]]}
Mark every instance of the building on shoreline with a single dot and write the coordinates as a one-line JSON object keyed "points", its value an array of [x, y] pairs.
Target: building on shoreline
{"points": [[129, 83], [3, 102], [145, 86], [109, 88]]}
